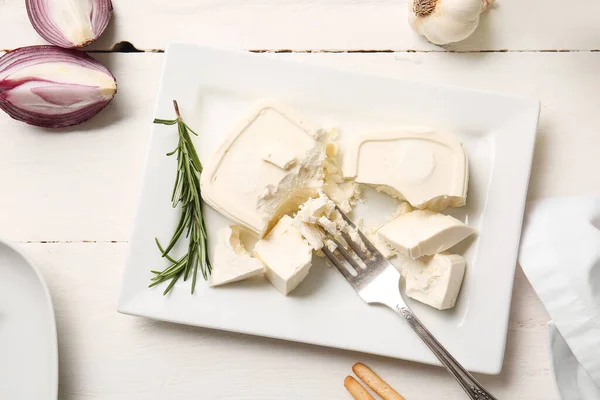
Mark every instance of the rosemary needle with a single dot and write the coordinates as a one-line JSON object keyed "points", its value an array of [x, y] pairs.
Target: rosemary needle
{"points": [[186, 192]]}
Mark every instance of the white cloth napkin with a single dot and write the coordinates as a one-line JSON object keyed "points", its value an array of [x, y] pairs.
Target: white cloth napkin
{"points": [[560, 254]]}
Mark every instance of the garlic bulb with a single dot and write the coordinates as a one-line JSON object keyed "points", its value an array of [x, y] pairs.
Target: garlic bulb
{"points": [[445, 21], [52, 87]]}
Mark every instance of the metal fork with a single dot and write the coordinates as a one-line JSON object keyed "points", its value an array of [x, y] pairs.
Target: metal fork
{"points": [[378, 282]]}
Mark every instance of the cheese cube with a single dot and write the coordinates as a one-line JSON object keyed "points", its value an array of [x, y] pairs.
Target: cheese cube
{"points": [[436, 280], [232, 262], [286, 255], [423, 232]]}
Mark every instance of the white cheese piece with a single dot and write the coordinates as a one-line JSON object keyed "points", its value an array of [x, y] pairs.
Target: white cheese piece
{"points": [[434, 280], [384, 248], [232, 262], [307, 217], [334, 227], [240, 184], [343, 194], [286, 255], [332, 171], [320, 212], [332, 149], [387, 250], [424, 232], [313, 235], [315, 208], [427, 169], [330, 226], [330, 245]]}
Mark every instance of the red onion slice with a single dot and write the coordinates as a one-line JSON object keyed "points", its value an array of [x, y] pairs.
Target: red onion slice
{"points": [[69, 23], [53, 87]]}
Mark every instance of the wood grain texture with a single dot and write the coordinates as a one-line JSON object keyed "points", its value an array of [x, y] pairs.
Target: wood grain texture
{"points": [[322, 25], [108, 356], [82, 183], [79, 187]]}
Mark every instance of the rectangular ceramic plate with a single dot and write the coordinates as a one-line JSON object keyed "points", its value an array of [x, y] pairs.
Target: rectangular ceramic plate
{"points": [[216, 88]]}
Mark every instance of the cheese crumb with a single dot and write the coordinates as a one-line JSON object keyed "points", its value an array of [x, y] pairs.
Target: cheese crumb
{"points": [[332, 149], [344, 193], [321, 213]]}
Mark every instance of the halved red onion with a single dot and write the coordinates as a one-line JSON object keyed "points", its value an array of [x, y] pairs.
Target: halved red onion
{"points": [[53, 87], [69, 23]]}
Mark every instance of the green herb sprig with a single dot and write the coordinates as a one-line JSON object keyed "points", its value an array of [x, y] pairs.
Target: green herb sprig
{"points": [[187, 193]]}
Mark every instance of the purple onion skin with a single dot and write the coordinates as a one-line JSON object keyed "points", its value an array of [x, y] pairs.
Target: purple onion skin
{"points": [[37, 10], [61, 104]]}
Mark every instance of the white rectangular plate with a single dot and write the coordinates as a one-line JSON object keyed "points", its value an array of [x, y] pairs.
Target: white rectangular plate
{"points": [[216, 88]]}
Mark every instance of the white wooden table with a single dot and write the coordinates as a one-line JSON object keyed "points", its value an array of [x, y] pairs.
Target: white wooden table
{"points": [[69, 197]]}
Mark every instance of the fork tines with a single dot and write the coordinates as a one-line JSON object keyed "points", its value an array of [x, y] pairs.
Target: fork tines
{"points": [[357, 258]]}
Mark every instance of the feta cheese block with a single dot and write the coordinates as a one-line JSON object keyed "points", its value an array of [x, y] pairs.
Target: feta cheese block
{"points": [[232, 262], [424, 232], [286, 254], [427, 169], [434, 280], [270, 163]]}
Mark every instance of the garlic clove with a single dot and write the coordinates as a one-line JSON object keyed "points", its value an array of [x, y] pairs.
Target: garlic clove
{"points": [[52, 87], [69, 23], [445, 21]]}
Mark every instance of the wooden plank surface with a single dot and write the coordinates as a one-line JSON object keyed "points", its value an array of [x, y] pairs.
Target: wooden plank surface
{"points": [[108, 356], [322, 25], [69, 197], [80, 183]]}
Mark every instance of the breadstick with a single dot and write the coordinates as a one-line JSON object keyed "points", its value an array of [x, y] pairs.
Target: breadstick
{"points": [[356, 389], [373, 381]]}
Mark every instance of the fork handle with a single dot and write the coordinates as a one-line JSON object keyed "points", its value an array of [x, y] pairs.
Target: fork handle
{"points": [[470, 385]]}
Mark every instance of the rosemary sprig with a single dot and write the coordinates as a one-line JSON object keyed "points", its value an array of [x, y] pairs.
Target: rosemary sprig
{"points": [[186, 192]]}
